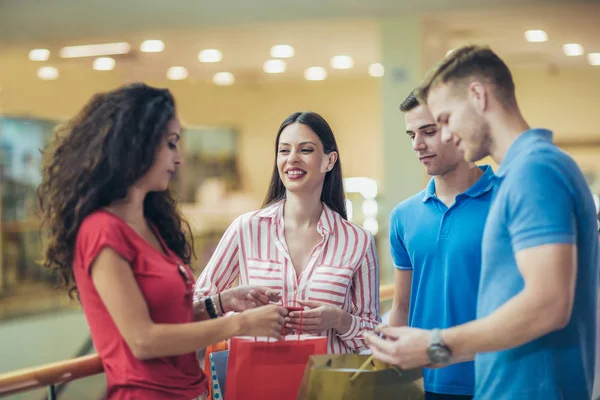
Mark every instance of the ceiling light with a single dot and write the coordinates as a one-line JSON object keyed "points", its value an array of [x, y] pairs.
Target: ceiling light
{"points": [[594, 58], [95, 50], [210, 56], [315, 74], [223, 79], [177, 73], [282, 51], [536, 36], [39, 55], [573, 49], [376, 70], [152, 46], [274, 66], [104, 64], [342, 62], [47, 73]]}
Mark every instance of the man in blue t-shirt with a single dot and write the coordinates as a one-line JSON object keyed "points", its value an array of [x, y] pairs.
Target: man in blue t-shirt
{"points": [[435, 240], [535, 333]]}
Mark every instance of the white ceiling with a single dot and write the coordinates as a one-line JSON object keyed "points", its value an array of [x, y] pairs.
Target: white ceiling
{"points": [[27, 20], [318, 30], [503, 30]]}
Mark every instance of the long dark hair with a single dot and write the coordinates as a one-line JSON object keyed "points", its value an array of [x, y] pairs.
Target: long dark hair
{"points": [[95, 158], [333, 189]]}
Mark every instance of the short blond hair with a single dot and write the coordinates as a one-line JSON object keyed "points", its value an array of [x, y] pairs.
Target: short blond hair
{"points": [[467, 62]]}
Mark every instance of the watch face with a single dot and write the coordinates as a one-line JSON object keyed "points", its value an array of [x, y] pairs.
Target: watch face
{"points": [[438, 354]]}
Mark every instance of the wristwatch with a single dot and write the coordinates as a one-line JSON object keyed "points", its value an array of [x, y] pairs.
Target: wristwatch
{"points": [[437, 351]]}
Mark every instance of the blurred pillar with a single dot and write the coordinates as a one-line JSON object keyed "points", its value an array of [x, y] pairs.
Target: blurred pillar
{"points": [[403, 176]]}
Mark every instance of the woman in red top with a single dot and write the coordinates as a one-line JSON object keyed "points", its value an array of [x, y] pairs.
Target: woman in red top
{"points": [[120, 244]]}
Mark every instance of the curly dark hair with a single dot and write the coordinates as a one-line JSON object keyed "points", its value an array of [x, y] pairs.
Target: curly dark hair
{"points": [[94, 159]]}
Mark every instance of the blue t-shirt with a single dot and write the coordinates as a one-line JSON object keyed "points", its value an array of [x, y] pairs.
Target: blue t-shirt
{"points": [[541, 198], [442, 247]]}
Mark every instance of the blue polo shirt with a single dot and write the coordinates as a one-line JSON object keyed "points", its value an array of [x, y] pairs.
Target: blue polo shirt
{"points": [[442, 247], [541, 198]]}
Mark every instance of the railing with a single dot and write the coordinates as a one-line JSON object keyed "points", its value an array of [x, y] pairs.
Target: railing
{"points": [[53, 374]]}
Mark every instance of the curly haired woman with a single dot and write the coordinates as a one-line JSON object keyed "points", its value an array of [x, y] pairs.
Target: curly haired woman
{"points": [[121, 245]]}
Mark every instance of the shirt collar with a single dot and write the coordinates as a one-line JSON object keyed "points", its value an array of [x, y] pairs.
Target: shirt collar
{"points": [[483, 184], [522, 144], [326, 221]]}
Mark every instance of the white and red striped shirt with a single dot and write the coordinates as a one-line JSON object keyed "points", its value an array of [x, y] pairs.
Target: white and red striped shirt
{"points": [[343, 269]]}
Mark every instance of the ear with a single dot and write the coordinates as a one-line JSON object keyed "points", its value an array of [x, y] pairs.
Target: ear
{"points": [[331, 160], [479, 96]]}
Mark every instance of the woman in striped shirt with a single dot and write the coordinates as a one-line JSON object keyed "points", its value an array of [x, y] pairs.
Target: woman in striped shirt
{"points": [[300, 245]]}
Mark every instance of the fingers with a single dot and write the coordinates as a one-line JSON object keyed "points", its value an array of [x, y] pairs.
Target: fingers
{"points": [[374, 341], [304, 328], [391, 332], [282, 311], [310, 304], [266, 295], [306, 314], [276, 334], [381, 356], [258, 297], [273, 295]]}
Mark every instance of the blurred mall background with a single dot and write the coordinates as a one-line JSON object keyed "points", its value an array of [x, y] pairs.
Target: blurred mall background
{"points": [[237, 69]]}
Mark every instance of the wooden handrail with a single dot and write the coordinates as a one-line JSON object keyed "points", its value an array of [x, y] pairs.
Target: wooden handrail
{"points": [[49, 374], [81, 367]]}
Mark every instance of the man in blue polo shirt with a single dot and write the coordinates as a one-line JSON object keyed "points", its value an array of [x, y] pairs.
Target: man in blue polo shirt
{"points": [[534, 337], [435, 240]]}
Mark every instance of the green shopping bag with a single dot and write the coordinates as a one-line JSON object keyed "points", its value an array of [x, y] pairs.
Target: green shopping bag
{"points": [[327, 377]]}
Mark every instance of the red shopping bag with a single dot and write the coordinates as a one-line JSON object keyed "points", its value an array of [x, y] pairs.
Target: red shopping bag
{"points": [[260, 369]]}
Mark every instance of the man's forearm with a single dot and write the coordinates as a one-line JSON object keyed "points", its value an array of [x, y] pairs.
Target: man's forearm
{"points": [[399, 316], [520, 320]]}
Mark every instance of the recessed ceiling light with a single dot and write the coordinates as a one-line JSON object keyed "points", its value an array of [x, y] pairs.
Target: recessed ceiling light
{"points": [[95, 50], [223, 79], [104, 64], [39, 55], [210, 56], [315, 74], [47, 73], [573, 49], [282, 51], [342, 62], [594, 58], [177, 73], [376, 70], [152, 46], [274, 66], [536, 35]]}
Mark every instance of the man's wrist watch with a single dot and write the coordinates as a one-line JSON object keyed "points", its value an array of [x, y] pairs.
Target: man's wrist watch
{"points": [[437, 351]]}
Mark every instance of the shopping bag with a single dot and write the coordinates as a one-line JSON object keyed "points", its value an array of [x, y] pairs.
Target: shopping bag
{"points": [[327, 377], [259, 369], [207, 367], [218, 369]]}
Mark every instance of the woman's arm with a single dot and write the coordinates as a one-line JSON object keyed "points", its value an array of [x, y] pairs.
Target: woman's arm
{"points": [[118, 289], [222, 268], [365, 300]]}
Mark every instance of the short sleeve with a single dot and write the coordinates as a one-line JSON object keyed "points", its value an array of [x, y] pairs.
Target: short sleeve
{"points": [[541, 206], [97, 232], [397, 248]]}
